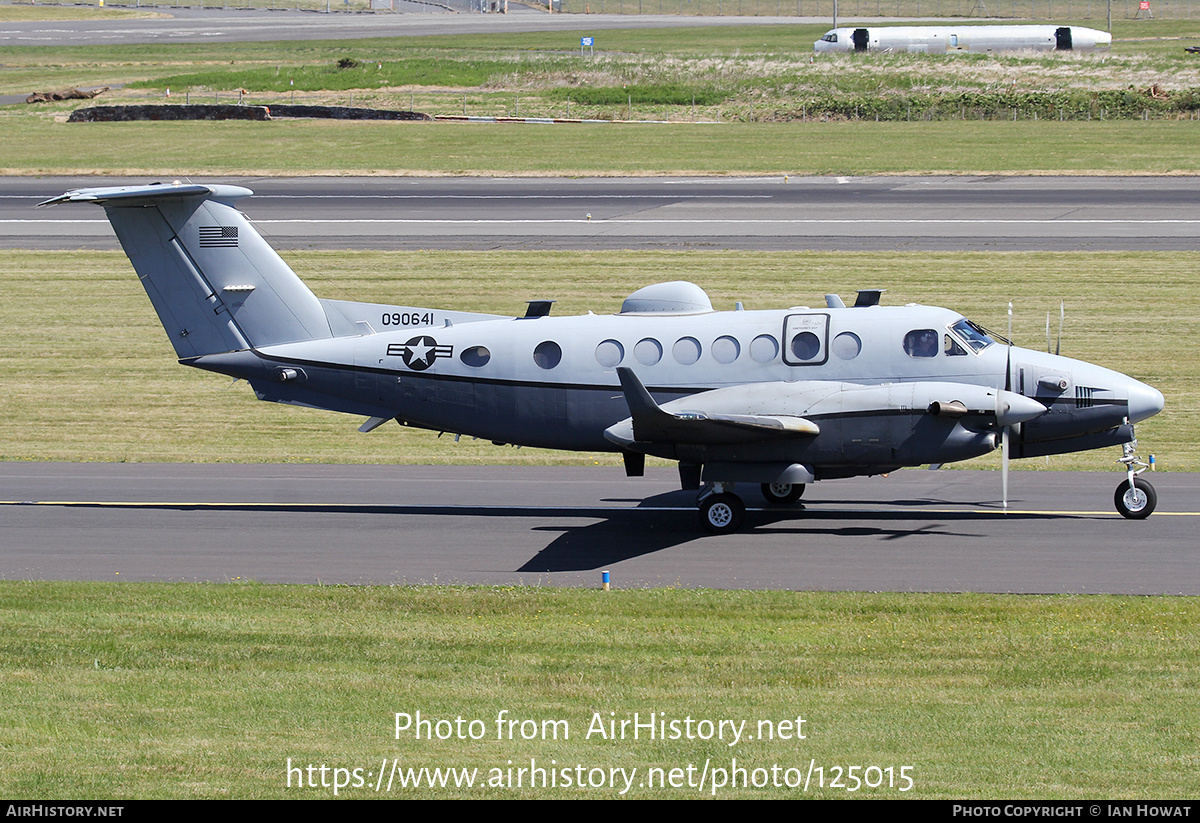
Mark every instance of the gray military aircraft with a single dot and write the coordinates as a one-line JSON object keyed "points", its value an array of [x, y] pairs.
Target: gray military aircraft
{"points": [[780, 398]]}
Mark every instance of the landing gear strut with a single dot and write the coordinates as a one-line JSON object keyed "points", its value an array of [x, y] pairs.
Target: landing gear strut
{"points": [[1135, 498]]}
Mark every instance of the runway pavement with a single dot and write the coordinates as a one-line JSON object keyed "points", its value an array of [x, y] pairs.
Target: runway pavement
{"points": [[915, 531], [820, 213], [180, 25]]}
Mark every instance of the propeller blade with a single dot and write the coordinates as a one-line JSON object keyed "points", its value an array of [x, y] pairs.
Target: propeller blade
{"points": [[1008, 357], [1004, 466], [1004, 430], [1002, 410]]}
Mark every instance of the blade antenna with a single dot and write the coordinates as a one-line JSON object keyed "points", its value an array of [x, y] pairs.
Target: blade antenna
{"points": [[1062, 313]]}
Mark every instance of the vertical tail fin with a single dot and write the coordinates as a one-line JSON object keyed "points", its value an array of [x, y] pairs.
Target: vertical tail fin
{"points": [[216, 284]]}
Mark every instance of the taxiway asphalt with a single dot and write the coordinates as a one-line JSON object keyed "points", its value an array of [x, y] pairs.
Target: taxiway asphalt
{"points": [[755, 213], [914, 531], [185, 25]]}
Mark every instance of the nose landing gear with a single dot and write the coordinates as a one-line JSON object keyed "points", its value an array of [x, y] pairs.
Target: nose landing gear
{"points": [[1135, 498]]}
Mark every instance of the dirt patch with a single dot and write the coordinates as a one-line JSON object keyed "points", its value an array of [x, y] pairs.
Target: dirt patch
{"points": [[113, 114]]}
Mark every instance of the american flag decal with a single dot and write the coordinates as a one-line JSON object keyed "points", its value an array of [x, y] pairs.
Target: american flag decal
{"points": [[218, 237]]}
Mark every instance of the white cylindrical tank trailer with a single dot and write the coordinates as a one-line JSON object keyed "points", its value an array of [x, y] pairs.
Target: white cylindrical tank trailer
{"points": [[950, 39]]}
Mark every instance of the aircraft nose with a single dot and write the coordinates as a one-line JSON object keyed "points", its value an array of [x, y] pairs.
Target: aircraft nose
{"points": [[1144, 401]]}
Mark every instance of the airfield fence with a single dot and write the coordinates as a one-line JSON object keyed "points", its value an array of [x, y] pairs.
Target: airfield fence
{"points": [[1057, 10]]}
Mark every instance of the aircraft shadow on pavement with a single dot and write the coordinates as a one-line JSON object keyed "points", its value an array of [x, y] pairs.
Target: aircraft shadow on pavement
{"points": [[659, 522], [626, 534]]}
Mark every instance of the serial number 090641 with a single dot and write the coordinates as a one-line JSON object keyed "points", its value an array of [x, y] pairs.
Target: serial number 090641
{"points": [[408, 318]]}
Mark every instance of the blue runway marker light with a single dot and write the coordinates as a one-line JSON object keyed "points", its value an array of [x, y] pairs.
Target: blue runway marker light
{"points": [[604, 579]]}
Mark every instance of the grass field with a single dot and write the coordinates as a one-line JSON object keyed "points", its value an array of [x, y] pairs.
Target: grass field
{"points": [[327, 147], [736, 76], [89, 375], [748, 79], [17, 13], [161, 691]]}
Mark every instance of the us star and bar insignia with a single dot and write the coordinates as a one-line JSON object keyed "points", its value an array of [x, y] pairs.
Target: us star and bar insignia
{"points": [[419, 352]]}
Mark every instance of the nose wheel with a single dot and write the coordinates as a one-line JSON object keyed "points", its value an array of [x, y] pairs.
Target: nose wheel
{"points": [[1135, 501], [1135, 498]]}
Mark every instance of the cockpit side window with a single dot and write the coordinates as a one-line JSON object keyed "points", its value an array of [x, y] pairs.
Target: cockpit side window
{"points": [[951, 348], [972, 335], [921, 343]]}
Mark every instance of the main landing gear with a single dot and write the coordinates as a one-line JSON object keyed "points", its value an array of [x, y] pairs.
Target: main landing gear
{"points": [[723, 512], [1135, 498], [782, 493]]}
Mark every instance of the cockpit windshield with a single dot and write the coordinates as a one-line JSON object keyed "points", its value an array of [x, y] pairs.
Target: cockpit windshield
{"points": [[973, 335], [830, 37]]}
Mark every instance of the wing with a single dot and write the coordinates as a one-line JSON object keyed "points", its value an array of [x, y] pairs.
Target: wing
{"points": [[844, 427], [651, 423]]}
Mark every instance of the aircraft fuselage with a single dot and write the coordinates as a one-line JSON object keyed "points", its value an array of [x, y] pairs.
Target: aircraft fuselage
{"points": [[551, 381]]}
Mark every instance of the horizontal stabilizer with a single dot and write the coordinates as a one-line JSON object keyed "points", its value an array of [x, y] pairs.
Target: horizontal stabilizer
{"points": [[142, 195]]}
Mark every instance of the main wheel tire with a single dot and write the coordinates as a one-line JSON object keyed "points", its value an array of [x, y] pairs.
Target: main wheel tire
{"points": [[781, 493], [1137, 502], [722, 513]]}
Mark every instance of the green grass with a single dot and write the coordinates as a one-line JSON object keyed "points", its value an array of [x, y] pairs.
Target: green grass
{"points": [[160, 691], [755, 81], [16, 13], [89, 375], [749, 79], [41, 146], [403, 71]]}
